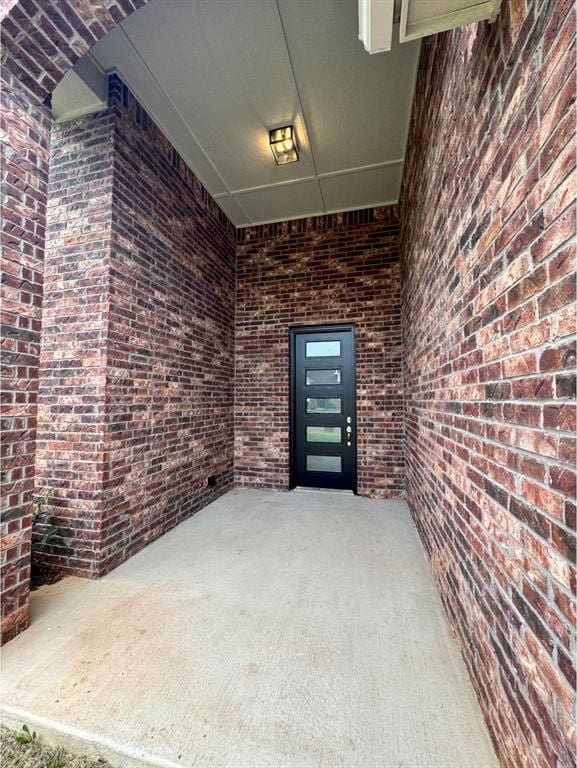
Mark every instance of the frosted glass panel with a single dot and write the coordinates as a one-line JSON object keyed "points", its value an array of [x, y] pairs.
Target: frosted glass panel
{"points": [[324, 463], [323, 404], [324, 435], [323, 348], [323, 376]]}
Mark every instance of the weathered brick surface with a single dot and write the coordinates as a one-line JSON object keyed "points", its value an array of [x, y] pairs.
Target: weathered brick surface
{"points": [[72, 413], [25, 130], [489, 320], [43, 39], [136, 379], [5, 6], [340, 268], [488, 225]]}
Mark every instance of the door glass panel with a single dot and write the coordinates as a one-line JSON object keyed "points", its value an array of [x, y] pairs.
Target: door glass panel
{"points": [[323, 376], [323, 404], [324, 463], [324, 435], [323, 348]]}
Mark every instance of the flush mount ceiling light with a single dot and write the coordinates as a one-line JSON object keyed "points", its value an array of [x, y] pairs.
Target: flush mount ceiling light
{"points": [[284, 145]]}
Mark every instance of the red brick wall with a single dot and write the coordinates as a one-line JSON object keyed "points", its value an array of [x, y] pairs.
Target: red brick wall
{"points": [[137, 349], [72, 412], [25, 129], [340, 268], [171, 339], [488, 316], [41, 41]]}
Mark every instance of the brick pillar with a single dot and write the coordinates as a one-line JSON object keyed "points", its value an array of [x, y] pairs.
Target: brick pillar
{"points": [[25, 128], [41, 42], [135, 414], [72, 392]]}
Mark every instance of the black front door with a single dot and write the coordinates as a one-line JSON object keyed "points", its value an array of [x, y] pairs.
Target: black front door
{"points": [[323, 414]]}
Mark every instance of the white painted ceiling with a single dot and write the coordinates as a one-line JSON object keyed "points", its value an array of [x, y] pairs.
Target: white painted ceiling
{"points": [[216, 75]]}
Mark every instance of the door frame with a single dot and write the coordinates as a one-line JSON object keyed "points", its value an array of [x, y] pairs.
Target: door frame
{"points": [[294, 331]]}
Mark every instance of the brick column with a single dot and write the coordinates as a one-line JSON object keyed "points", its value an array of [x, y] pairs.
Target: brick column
{"points": [[135, 401], [41, 42], [25, 128], [72, 390]]}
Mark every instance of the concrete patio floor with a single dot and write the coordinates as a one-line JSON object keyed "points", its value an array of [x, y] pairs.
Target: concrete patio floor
{"points": [[271, 630]]}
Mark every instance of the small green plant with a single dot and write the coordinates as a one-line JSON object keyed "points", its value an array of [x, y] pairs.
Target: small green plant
{"points": [[39, 506], [56, 759], [26, 736], [26, 750]]}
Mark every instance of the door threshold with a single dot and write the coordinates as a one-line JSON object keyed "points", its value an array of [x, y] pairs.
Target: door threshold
{"points": [[323, 490]]}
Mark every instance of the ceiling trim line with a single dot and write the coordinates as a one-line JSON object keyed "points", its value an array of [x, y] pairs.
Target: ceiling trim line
{"points": [[219, 195], [320, 213], [173, 105], [326, 175], [362, 168], [314, 162], [225, 196], [263, 187]]}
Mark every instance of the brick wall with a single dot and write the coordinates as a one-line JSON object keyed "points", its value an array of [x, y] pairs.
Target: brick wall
{"points": [[72, 417], [137, 344], [25, 129], [171, 339], [340, 268], [488, 317], [41, 41]]}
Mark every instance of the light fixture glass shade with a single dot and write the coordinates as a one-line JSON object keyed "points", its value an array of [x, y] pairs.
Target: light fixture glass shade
{"points": [[284, 145]]}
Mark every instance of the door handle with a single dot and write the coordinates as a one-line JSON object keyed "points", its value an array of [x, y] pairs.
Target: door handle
{"points": [[349, 431]]}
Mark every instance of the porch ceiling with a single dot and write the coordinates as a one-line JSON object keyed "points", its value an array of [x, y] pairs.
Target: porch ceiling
{"points": [[216, 76]]}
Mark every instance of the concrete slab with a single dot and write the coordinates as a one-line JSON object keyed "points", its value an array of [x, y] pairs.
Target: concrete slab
{"points": [[271, 630]]}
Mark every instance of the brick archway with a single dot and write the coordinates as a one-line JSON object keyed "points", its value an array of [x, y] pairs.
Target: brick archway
{"points": [[42, 40]]}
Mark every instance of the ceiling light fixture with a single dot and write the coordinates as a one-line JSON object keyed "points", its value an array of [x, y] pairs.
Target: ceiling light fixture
{"points": [[284, 145]]}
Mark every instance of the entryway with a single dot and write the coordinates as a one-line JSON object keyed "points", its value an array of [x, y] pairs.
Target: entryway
{"points": [[270, 630], [323, 407]]}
